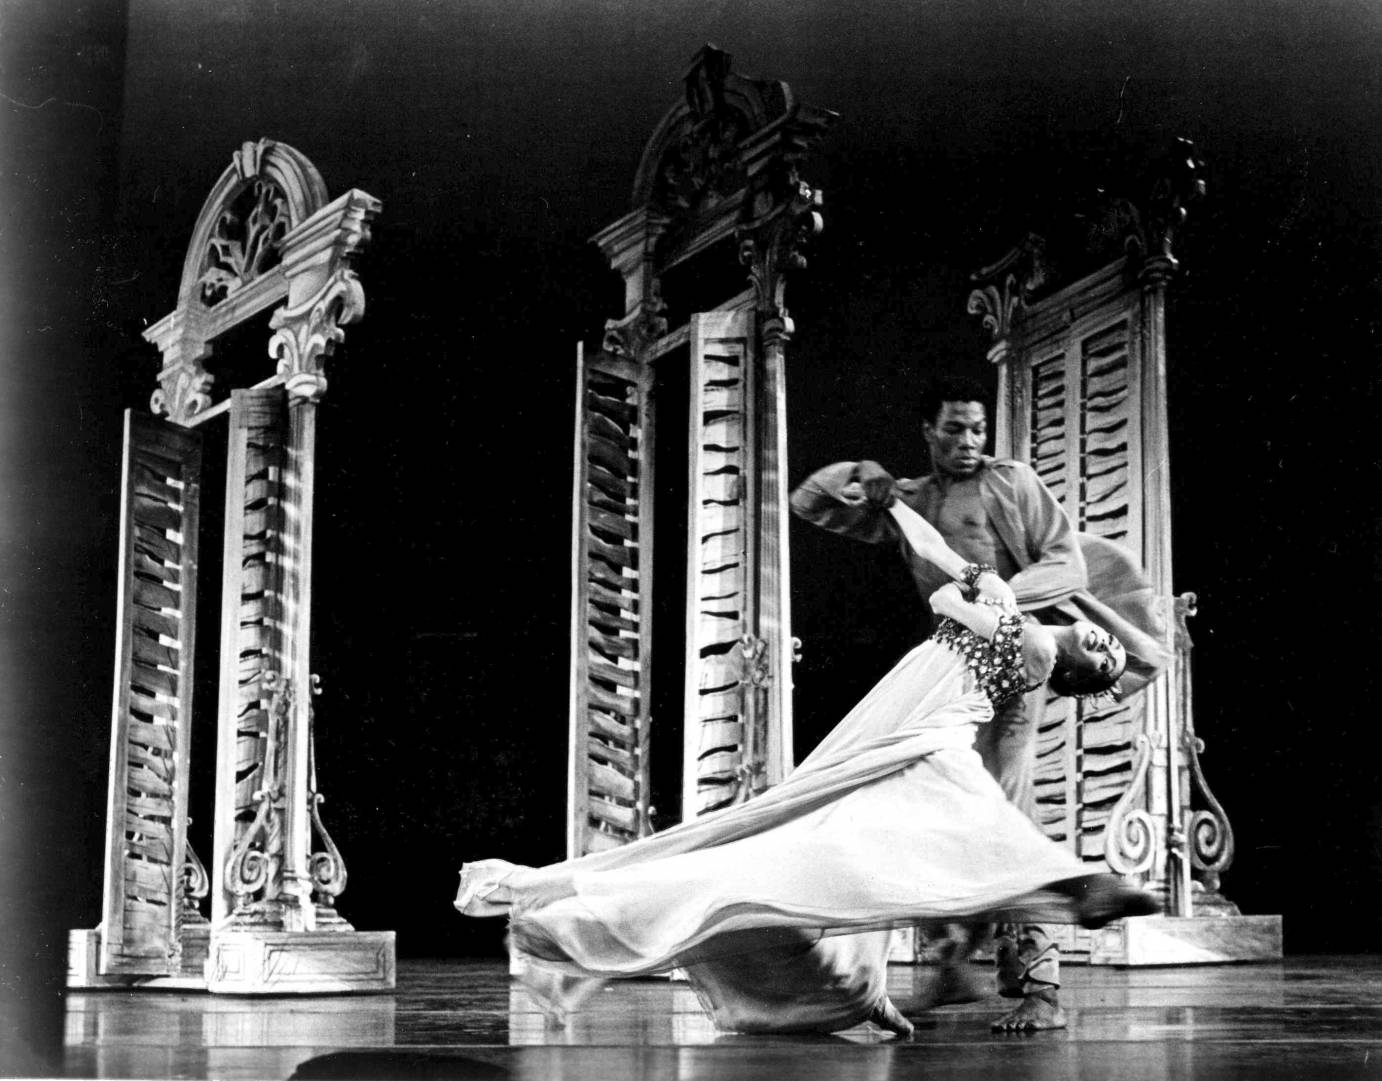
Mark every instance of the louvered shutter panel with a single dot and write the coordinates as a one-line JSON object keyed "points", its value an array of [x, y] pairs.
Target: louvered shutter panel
{"points": [[720, 705], [252, 617], [1084, 442], [608, 780], [146, 825]]}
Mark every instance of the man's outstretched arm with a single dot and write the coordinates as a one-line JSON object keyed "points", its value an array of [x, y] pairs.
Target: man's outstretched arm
{"points": [[848, 498], [1057, 569]]}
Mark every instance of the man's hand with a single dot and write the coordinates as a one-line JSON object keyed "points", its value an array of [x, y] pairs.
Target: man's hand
{"points": [[875, 482], [994, 590]]}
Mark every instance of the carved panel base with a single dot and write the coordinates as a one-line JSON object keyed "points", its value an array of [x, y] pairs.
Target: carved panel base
{"points": [[1187, 940], [84, 969], [1214, 938], [245, 962]]}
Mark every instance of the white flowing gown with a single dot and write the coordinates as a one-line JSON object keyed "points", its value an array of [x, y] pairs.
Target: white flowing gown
{"points": [[779, 909]]}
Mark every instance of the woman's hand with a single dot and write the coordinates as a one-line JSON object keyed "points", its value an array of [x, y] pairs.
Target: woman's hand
{"points": [[950, 601], [993, 590], [947, 600]]}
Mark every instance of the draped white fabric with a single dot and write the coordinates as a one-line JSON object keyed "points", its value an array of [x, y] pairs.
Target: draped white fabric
{"points": [[891, 820]]}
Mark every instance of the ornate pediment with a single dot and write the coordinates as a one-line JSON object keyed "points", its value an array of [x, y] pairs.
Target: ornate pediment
{"points": [[265, 235], [722, 166], [697, 160], [244, 241]]}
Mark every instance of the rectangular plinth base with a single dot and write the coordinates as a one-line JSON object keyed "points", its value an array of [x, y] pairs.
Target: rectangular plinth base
{"points": [[1187, 940], [84, 963], [1156, 940], [258, 962]]}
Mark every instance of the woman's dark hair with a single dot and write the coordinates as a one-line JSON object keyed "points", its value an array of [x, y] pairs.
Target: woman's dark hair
{"points": [[1073, 681]]}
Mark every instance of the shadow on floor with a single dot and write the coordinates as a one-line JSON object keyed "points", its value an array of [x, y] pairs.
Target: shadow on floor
{"points": [[396, 1066]]}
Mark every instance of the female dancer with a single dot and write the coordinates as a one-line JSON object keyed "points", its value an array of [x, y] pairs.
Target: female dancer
{"points": [[779, 910]]}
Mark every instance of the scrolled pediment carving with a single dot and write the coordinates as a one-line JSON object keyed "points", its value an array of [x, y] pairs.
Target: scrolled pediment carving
{"points": [[1000, 288], [703, 152], [244, 241]]}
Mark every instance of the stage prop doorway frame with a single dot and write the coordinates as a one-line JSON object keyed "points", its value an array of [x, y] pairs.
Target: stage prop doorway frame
{"points": [[1082, 397], [718, 190], [266, 235]]}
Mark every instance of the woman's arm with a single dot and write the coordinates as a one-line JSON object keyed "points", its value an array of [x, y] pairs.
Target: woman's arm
{"points": [[926, 540], [982, 619]]}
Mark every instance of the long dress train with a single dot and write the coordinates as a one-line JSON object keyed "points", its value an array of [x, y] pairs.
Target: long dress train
{"points": [[779, 909]]}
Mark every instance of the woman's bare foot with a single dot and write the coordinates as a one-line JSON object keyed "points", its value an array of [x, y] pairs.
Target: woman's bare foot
{"points": [[1037, 1012], [886, 1016]]}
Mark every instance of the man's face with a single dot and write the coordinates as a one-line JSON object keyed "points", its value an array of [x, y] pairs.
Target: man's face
{"points": [[957, 438]]}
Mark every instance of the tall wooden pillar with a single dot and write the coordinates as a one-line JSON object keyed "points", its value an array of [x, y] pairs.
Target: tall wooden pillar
{"points": [[718, 190], [1083, 399], [266, 236]]}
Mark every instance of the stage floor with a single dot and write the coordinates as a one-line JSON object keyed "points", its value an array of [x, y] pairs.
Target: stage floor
{"points": [[1302, 1018]]}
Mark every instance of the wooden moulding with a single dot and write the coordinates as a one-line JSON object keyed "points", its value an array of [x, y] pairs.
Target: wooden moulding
{"points": [[292, 962], [1187, 940]]}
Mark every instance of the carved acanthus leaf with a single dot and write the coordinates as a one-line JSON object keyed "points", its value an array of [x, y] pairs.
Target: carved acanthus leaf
{"points": [[245, 241], [305, 334], [1001, 288], [184, 391], [628, 336], [786, 217]]}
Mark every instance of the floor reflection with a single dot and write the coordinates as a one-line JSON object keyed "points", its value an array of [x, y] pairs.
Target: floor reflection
{"points": [[1299, 1019]]}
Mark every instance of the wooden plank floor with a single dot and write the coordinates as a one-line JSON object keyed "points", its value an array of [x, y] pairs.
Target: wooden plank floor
{"points": [[1303, 1018]]}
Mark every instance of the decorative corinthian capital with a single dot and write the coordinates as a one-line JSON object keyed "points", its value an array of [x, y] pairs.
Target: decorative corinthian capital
{"points": [[184, 390], [324, 295], [1152, 222], [305, 334], [786, 216], [1000, 289]]}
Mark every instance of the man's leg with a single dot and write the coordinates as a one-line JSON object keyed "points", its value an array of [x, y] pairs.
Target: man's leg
{"points": [[1028, 966], [1027, 961]]}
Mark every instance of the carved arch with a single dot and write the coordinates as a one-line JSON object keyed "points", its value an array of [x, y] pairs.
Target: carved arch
{"points": [[302, 248], [702, 136], [287, 170]]}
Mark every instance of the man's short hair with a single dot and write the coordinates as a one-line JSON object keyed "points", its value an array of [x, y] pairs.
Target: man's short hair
{"points": [[950, 388]]}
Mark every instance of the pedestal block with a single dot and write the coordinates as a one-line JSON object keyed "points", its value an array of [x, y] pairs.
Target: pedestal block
{"points": [[84, 969], [297, 962], [1187, 940]]}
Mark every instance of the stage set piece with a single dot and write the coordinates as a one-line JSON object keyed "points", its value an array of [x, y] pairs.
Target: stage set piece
{"points": [[693, 375], [1080, 345], [266, 236]]}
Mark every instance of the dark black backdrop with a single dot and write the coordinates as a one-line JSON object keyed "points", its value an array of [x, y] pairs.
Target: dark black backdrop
{"points": [[499, 136]]}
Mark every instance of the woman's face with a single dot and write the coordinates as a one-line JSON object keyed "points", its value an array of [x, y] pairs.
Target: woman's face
{"points": [[1097, 650]]}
